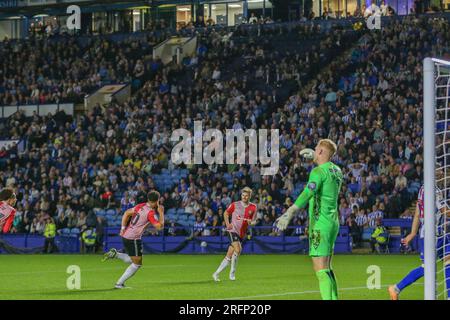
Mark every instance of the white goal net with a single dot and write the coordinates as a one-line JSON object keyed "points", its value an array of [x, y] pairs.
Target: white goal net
{"points": [[436, 175]]}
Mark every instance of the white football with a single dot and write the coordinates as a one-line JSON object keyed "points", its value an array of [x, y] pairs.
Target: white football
{"points": [[307, 153]]}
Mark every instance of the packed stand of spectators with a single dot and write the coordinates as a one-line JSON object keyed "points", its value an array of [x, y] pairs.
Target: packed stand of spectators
{"points": [[79, 164], [64, 69], [368, 102], [46, 71]]}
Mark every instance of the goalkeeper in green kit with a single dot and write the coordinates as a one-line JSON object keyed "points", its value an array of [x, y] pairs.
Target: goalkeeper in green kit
{"points": [[321, 193]]}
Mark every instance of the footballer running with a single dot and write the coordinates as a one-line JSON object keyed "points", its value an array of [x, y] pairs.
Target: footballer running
{"points": [[134, 223], [243, 214]]}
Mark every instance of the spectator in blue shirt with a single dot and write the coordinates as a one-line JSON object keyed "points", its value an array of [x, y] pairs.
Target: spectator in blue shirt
{"points": [[354, 186]]}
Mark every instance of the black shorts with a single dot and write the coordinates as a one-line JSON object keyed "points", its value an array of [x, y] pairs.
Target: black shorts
{"points": [[233, 237], [132, 247]]}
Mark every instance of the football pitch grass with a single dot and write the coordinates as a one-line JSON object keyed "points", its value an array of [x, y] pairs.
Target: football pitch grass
{"points": [[168, 277]]}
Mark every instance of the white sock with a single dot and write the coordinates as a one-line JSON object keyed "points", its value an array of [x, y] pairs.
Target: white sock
{"points": [[124, 257], [225, 262], [234, 262], [131, 270]]}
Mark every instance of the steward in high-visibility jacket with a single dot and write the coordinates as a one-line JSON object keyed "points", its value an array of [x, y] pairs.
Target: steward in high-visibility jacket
{"points": [[380, 234], [379, 237], [89, 237], [50, 230], [49, 234]]}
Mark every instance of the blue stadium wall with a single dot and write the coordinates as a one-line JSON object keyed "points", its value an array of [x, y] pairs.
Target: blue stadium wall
{"points": [[20, 243]]}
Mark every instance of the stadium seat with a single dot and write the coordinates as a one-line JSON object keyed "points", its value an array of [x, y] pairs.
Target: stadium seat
{"points": [[415, 184], [367, 234], [136, 83], [65, 231], [99, 212], [298, 185]]}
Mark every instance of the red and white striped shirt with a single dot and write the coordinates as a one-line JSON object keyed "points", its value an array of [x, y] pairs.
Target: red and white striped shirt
{"points": [[143, 215], [239, 213], [7, 214]]}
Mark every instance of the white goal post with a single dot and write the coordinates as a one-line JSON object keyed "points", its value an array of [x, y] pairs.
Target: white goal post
{"points": [[436, 140]]}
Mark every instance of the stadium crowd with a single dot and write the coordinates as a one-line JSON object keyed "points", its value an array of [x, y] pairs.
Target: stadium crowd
{"points": [[65, 69], [367, 98], [43, 71]]}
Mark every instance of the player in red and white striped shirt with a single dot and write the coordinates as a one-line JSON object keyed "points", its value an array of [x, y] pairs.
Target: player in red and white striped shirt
{"points": [[134, 223], [7, 212], [243, 214]]}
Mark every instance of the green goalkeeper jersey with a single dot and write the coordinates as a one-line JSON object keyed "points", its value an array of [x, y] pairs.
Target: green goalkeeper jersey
{"points": [[322, 192]]}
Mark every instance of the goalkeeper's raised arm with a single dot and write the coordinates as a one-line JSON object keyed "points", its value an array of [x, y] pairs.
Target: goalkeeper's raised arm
{"points": [[322, 189]]}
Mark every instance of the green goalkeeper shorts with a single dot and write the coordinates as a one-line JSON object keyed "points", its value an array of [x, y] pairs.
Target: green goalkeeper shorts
{"points": [[322, 239]]}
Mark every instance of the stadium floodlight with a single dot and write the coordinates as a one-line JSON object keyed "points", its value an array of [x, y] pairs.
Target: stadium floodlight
{"points": [[436, 98]]}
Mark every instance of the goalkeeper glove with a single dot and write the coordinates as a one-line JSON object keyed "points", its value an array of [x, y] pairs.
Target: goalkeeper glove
{"points": [[283, 221]]}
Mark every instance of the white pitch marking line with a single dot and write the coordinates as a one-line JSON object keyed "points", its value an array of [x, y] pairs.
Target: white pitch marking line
{"points": [[121, 267], [300, 292]]}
